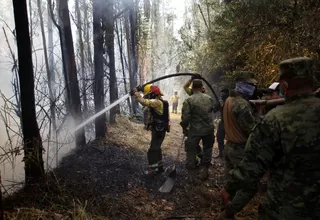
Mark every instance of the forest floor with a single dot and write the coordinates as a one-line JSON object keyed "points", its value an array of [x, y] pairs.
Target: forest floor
{"points": [[105, 181]]}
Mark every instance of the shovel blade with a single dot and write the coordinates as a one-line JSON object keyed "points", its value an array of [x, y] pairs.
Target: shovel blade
{"points": [[167, 186], [169, 183]]}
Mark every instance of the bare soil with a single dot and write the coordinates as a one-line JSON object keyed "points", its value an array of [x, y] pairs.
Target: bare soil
{"points": [[105, 180]]}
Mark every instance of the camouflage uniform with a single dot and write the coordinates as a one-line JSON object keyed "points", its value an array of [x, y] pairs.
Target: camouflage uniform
{"points": [[197, 114], [287, 143], [188, 90], [240, 110]]}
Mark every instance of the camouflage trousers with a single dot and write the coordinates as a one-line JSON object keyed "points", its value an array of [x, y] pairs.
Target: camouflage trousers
{"points": [[233, 154], [192, 149], [175, 107], [155, 152]]}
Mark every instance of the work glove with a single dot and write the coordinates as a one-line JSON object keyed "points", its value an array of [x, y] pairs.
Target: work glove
{"points": [[225, 196], [133, 91], [139, 88], [196, 76]]}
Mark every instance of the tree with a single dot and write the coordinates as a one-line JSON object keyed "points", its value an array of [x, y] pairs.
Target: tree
{"points": [[100, 122], [109, 41], [72, 78], [130, 27], [82, 61], [34, 169], [49, 76]]}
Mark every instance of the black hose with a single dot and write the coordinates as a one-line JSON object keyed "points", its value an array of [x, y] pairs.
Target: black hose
{"points": [[186, 74]]}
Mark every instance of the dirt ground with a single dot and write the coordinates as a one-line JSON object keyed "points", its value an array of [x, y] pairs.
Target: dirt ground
{"points": [[105, 181]]}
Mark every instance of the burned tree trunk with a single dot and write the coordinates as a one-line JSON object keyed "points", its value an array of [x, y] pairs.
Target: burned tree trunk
{"points": [[34, 169], [120, 44], [75, 103], [109, 40], [81, 47], [100, 122]]}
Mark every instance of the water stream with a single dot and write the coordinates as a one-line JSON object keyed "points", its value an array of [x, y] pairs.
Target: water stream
{"points": [[123, 98]]}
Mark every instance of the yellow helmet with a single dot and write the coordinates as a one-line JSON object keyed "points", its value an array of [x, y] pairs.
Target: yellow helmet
{"points": [[147, 89]]}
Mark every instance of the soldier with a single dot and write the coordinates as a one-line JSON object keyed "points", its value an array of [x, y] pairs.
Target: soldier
{"points": [[287, 143], [175, 102], [238, 122], [159, 121], [186, 86], [188, 90], [197, 124]]}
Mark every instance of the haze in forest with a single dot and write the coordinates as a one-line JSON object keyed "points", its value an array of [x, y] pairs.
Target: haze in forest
{"points": [[175, 7]]}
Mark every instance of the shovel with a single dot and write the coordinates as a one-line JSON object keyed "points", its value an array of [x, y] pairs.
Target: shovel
{"points": [[169, 183]]}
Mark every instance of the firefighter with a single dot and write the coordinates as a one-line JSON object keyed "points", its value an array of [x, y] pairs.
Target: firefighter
{"points": [[158, 123], [175, 102]]}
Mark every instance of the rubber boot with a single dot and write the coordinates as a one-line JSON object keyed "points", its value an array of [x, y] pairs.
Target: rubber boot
{"points": [[192, 176]]}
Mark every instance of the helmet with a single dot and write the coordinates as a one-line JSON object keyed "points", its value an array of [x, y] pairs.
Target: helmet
{"points": [[156, 90], [147, 89]]}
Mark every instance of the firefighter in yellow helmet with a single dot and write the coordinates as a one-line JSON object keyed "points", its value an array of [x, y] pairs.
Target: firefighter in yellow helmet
{"points": [[159, 123]]}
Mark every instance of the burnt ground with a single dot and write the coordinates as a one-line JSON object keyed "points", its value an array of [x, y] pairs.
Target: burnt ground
{"points": [[105, 180]]}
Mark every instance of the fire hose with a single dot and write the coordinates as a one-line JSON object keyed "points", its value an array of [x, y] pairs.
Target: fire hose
{"points": [[187, 74], [123, 98]]}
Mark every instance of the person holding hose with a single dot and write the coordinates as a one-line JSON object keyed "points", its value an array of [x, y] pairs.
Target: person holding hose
{"points": [[197, 124], [158, 122], [188, 90]]}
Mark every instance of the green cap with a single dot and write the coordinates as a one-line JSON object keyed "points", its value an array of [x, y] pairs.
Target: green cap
{"points": [[296, 67], [246, 76], [197, 84]]}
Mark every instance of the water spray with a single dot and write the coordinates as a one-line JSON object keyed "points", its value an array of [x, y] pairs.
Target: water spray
{"points": [[125, 97]]}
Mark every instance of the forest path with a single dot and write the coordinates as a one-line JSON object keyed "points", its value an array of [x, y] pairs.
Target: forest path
{"points": [[106, 180]]}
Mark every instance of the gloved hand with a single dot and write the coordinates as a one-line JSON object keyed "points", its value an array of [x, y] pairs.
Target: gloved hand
{"points": [[133, 91], [139, 88], [225, 196], [196, 76]]}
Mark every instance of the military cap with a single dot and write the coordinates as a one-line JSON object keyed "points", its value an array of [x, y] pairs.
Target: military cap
{"points": [[246, 76], [197, 84], [296, 67]]}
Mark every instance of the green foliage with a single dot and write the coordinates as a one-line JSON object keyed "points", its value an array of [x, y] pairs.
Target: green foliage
{"points": [[257, 35]]}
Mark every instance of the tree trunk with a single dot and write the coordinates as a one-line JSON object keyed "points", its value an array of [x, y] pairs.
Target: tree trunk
{"points": [[81, 47], [30, 17], [49, 74], [131, 60], [120, 42], [63, 52], [75, 103], [1, 208], [100, 122], [87, 39], [109, 41], [34, 170], [155, 36]]}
